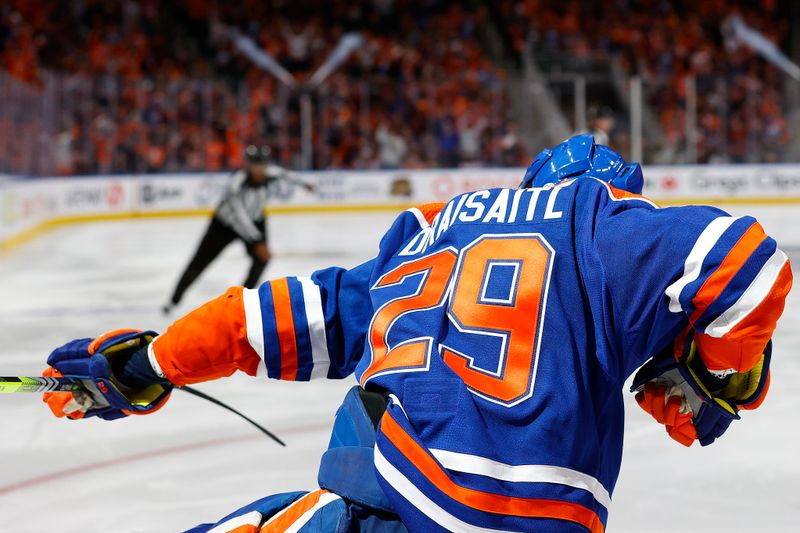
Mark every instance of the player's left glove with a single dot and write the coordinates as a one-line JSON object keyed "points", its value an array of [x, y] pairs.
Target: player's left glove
{"points": [[692, 402], [93, 361]]}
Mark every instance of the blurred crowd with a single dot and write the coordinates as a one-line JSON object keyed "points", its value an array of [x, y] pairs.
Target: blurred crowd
{"points": [[740, 96], [150, 85], [147, 85]]}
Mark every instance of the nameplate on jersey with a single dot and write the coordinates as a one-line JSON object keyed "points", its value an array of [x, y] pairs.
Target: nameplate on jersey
{"points": [[495, 206]]}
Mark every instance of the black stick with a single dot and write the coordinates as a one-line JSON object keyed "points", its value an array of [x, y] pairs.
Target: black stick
{"points": [[15, 384], [213, 400]]}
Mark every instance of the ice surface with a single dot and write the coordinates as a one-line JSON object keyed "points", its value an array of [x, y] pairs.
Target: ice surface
{"points": [[194, 462]]}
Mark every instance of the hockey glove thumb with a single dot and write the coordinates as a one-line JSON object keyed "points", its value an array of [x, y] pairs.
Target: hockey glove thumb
{"points": [[92, 361], [693, 403]]}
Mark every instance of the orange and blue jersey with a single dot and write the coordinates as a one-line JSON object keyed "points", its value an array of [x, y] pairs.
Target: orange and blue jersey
{"points": [[503, 325]]}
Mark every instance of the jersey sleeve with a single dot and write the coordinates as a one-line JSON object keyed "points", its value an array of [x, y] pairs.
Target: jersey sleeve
{"points": [[311, 327], [294, 328], [668, 269]]}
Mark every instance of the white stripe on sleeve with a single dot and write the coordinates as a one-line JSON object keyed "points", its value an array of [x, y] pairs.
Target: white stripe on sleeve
{"points": [[315, 317], [751, 298], [252, 317], [694, 261]]}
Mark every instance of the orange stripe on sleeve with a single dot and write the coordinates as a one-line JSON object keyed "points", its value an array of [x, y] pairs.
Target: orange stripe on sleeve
{"points": [[719, 279], [281, 521], [486, 501], [284, 321]]}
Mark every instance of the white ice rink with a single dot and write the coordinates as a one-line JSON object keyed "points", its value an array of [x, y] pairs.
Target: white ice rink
{"points": [[193, 462]]}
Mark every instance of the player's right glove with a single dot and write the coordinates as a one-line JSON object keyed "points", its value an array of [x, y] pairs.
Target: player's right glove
{"points": [[692, 402], [94, 362]]}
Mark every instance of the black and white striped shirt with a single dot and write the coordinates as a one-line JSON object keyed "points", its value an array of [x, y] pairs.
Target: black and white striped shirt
{"points": [[242, 206]]}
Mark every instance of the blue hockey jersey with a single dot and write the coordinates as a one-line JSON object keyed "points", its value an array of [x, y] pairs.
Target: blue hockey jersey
{"points": [[503, 325]]}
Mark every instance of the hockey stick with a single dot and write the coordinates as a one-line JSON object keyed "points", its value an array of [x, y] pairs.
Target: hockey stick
{"points": [[14, 384], [203, 395], [10, 385]]}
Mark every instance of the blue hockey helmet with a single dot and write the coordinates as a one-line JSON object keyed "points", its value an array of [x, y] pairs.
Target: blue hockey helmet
{"points": [[579, 156]]}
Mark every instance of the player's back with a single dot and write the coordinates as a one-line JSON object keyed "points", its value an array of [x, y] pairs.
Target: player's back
{"points": [[505, 326], [486, 333]]}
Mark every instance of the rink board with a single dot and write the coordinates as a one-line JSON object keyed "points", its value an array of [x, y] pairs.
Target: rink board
{"points": [[29, 207]]}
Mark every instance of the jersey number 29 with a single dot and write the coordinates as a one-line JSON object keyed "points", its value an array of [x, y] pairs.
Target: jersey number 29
{"points": [[461, 281]]}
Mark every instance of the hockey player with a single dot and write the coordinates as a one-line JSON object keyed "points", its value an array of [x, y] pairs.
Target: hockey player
{"points": [[239, 216], [491, 337]]}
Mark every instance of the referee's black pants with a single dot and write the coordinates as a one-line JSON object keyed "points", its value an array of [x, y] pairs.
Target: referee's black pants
{"points": [[218, 236]]}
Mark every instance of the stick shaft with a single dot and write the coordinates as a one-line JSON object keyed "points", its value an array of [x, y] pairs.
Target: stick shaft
{"points": [[203, 395], [13, 384]]}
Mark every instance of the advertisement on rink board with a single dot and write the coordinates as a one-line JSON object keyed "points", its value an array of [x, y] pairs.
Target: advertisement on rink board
{"points": [[714, 182], [28, 204], [31, 202], [670, 184]]}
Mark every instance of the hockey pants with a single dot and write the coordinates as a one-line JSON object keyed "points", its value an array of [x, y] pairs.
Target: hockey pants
{"points": [[350, 499]]}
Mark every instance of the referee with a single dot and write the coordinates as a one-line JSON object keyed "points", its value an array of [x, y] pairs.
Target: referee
{"points": [[240, 215]]}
